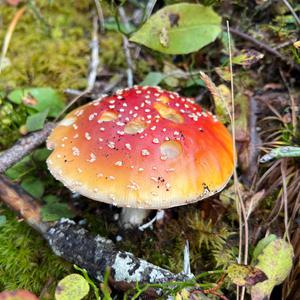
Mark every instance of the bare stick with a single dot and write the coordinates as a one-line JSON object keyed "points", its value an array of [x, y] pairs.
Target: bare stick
{"points": [[264, 47], [93, 253], [23, 147], [94, 56], [100, 15], [21, 202], [94, 63], [126, 48]]}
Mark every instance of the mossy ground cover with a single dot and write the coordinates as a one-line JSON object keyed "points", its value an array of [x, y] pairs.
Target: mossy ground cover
{"points": [[26, 260], [50, 47]]}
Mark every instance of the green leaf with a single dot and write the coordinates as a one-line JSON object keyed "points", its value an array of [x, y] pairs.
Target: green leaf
{"points": [[261, 245], [33, 186], [89, 280], [54, 211], [280, 152], [179, 29], [195, 81], [51, 199], [72, 287], [112, 25], [41, 154], [39, 99], [2, 220], [153, 78], [19, 169], [36, 121], [276, 261]]}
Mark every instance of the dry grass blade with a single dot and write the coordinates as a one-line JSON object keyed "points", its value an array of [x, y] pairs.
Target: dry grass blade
{"points": [[240, 205], [9, 34], [215, 92], [283, 168]]}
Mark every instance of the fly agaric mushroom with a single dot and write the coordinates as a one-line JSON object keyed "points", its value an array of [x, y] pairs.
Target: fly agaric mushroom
{"points": [[141, 148]]}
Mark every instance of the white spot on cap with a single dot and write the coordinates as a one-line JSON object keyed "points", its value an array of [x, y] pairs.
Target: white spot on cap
{"points": [[76, 151], [155, 141], [145, 152], [87, 136], [111, 145], [128, 146], [119, 163], [79, 112], [92, 157], [92, 116]]}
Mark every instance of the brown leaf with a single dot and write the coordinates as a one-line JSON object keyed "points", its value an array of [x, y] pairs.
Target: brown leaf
{"points": [[245, 275]]}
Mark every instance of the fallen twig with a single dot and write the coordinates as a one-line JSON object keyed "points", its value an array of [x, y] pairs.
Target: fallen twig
{"points": [[94, 56], [94, 63], [264, 47], [93, 253], [23, 147], [126, 48]]}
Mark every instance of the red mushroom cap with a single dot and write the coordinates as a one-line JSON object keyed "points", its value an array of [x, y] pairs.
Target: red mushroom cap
{"points": [[143, 147]]}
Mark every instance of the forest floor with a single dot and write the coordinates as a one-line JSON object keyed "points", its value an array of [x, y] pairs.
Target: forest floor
{"points": [[51, 48]]}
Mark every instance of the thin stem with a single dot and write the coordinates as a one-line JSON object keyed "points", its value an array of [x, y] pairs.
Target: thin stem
{"points": [[241, 207]]}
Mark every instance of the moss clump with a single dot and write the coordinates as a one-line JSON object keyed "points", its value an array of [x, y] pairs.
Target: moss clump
{"points": [[25, 259], [11, 118], [50, 45]]}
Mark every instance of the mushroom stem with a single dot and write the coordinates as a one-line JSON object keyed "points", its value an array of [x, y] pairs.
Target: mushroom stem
{"points": [[133, 217]]}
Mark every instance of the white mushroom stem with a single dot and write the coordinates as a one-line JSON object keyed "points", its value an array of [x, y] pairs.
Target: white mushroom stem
{"points": [[133, 217]]}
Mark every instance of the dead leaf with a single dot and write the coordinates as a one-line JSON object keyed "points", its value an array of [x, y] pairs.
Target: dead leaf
{"points": [[245, 275], [247, 57]]}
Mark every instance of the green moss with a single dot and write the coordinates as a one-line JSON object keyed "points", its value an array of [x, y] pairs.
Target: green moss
{"points": [[11, 118], [50, 45], [25, 259]]}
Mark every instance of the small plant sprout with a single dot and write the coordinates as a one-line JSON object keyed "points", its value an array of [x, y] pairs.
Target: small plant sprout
{"points": [[142, 148]]}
